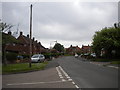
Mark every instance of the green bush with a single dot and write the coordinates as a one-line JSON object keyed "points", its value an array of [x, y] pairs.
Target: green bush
{"points": [[48, 55], [10, 56]]}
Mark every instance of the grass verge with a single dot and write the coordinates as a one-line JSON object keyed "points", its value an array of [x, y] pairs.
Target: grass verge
{"points": [[22, 67], [115, 62], [112, 61]]}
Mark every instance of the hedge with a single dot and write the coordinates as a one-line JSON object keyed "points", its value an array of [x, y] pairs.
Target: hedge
{"points": [[10, 56]]}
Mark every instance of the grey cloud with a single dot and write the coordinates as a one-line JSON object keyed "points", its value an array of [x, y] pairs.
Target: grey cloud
{"points": [[62, 21]]}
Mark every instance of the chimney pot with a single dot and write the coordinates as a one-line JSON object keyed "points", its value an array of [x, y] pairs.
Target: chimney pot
{"points": [[33, 38], [28, 35], [9, 32], [21, 33]]}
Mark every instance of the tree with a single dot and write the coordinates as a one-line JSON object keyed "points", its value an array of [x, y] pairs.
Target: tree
{"points": [[108, 39], [4, 27], [59, 47], [6, 39]]}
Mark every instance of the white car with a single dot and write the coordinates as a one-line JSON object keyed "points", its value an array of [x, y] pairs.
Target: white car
{"points": [[38, 58], [76, 55], [93, 54]]}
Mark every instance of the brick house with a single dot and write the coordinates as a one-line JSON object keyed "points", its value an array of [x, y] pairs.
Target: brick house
{"points": [[23, 45], [73, 49], [86, 49]]}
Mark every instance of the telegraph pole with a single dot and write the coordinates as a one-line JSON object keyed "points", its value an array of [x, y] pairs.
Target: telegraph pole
{"points": [[30, 35]]}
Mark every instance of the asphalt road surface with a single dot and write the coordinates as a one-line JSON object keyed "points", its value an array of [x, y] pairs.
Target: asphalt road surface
{"points": [[65, 72], [88, 75]]}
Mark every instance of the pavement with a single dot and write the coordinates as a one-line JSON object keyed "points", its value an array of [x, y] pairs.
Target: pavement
{"points": [[53, 76]]}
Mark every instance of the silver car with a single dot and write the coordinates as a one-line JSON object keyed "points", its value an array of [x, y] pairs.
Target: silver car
{"points": [[38, 58]]}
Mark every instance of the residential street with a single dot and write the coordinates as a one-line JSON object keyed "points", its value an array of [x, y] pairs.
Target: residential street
{"points": [[65, 72], [89, 75]]}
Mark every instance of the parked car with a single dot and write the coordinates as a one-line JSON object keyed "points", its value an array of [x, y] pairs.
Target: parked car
{"points": [[38, 58], [76, 55], [93, 54]]}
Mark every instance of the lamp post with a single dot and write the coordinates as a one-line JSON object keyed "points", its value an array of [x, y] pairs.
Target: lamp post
{"points": [[51, 48], [30, 35]]}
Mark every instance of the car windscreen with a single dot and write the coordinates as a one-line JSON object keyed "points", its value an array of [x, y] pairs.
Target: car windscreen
{"points": [[35, 56]]}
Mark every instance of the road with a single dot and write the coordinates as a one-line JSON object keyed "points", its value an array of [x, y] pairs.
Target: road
{"points": [[88, 75], [65, 72]]}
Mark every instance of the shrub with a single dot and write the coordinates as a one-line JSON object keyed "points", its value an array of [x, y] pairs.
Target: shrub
{"points": [[10, 56], [47, 55]]}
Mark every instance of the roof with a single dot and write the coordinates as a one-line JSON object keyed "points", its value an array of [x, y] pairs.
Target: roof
{"points": [[27, 41], [73, 47], [86, 47]]}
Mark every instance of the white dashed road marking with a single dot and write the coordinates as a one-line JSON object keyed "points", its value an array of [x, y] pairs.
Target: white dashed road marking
{"points": [[73, 82], [60, 71], [76, 86]]}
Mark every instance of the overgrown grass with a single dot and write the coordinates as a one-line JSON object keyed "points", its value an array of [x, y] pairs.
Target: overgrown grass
{"points": [[22, 67]]}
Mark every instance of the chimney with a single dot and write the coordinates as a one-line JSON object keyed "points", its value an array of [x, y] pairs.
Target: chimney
{"points": [[28, 36], [9, 32], [39, 43], [36, 41], [33, 38], [21, 33]]}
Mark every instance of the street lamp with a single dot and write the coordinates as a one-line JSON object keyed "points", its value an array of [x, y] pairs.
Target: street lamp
{"points": [[30, 35], [51, 47]]}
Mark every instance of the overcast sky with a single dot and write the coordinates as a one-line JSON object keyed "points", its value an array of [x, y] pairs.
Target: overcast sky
{"points": [[70, 23]]}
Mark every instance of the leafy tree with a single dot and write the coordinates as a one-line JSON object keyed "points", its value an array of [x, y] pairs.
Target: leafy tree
{"points": [[108, 39], [59, 47]]}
